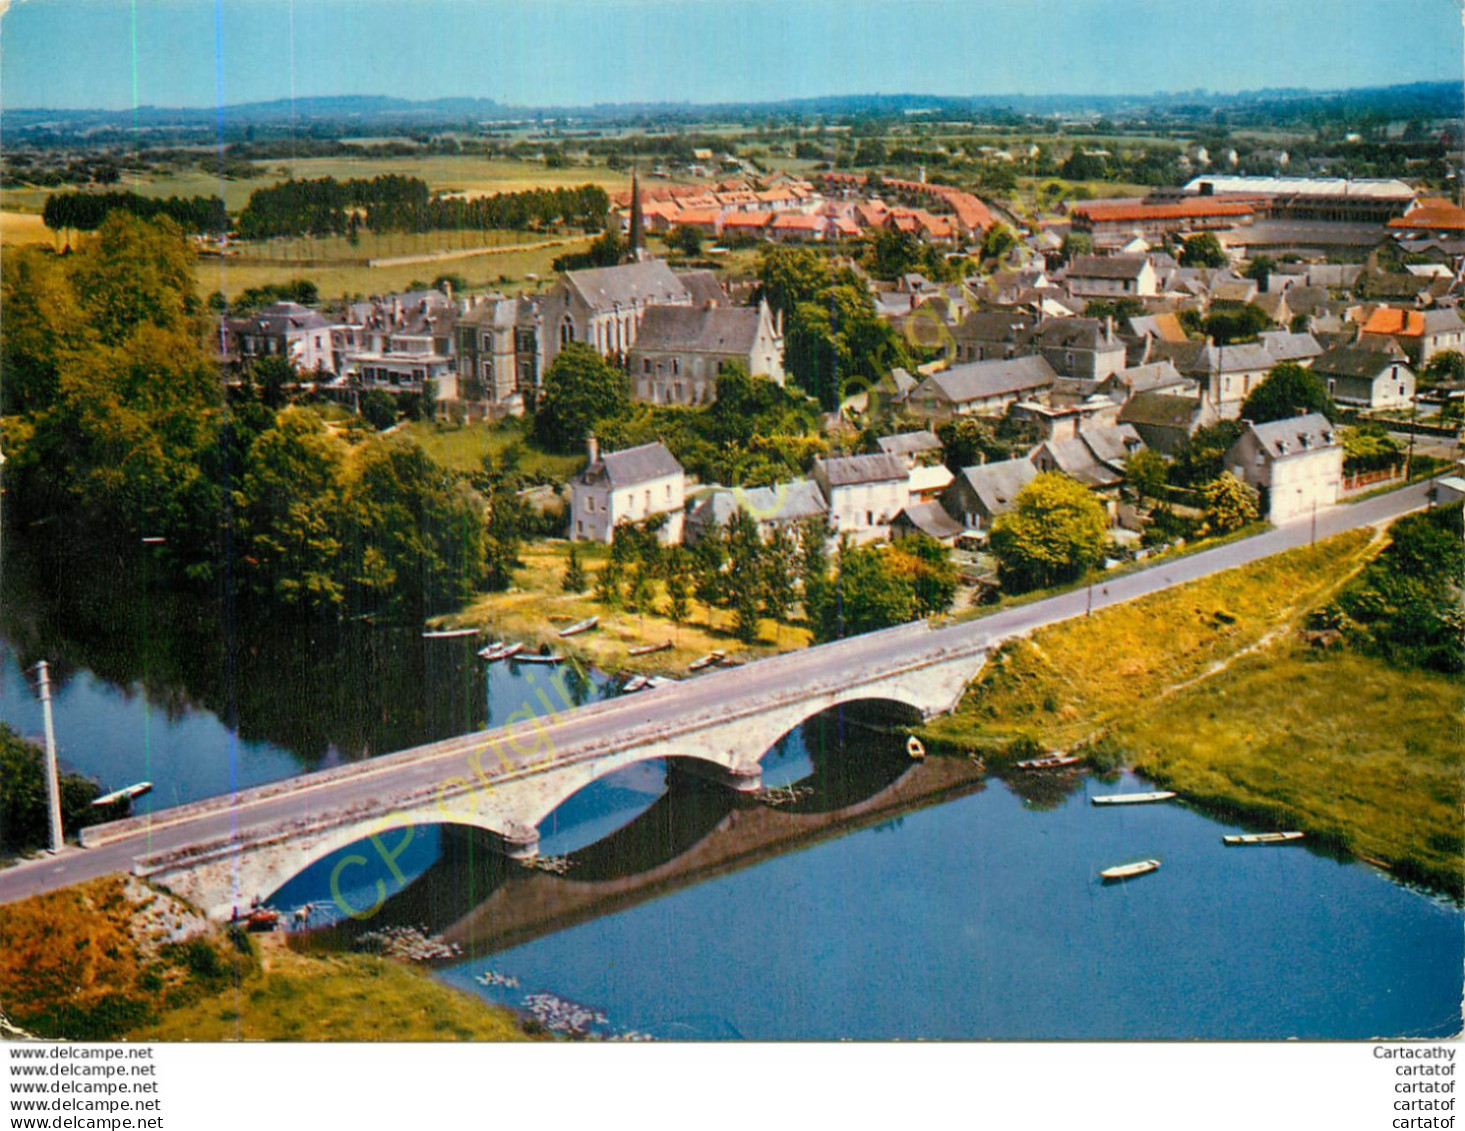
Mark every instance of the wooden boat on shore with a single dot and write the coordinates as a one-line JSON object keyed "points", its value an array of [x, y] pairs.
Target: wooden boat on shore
{"points": [[1129, 871], [448, 633], [635, 683], [1133, 798], [126, 793], [1263, 838], [914, 748], [706, 661], [580, 626], [500, 651], [648, 649], [659, 681], [1051, 762], [538, 658]]}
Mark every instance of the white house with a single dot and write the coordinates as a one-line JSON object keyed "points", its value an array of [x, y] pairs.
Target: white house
{"points": [[1111, 276], [1296, 465], [627, 486], [1366, 378], [864, 493]]}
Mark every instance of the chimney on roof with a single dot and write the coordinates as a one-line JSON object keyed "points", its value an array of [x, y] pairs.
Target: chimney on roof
{"points": [[592, 448]]}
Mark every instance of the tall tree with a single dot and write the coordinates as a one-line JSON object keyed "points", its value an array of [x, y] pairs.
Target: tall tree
{"points": [[1055, 534], [1288, 390], [580, 388]]}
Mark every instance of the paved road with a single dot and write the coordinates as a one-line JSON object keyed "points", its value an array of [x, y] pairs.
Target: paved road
{"points": [[676, 706]]}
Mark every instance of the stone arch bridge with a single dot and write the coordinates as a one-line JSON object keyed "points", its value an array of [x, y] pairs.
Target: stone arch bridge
{"points": [[223, 852]]}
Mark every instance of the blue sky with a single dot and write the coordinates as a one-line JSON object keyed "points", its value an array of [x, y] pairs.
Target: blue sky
{"points": [[115, 54]]}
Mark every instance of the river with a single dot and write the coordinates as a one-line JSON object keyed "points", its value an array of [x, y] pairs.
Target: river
{"points": [[862, 896]]}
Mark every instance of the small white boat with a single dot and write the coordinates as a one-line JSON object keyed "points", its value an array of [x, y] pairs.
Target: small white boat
{"points": [[126, 793], [448, 633], [1133, 798], [580, 626], [659, 681], [1129, 871], [914, 748], [648, 649], [500, 652], [1262, 838], [636, 683], [537, 658], [706, 661]]}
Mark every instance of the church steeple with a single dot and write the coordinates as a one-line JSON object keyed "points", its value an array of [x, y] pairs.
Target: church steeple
{"points": [[637, 233]]}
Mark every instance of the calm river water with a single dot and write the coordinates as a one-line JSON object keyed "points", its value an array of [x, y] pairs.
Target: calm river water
{"points": [[860, 900]]}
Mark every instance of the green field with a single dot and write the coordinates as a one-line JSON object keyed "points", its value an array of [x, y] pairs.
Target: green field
{"points": [[462, 447]]}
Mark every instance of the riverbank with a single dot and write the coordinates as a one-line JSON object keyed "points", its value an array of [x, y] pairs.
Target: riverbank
{"points": [[536, 607], [1210, 689], [115, 958]]}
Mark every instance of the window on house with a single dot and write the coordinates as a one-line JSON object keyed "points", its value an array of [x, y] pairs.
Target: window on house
{"points": [[648, 498], [676, 365], [869, 518]]}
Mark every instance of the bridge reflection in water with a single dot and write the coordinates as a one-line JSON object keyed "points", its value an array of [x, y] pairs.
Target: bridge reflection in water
{"points": [[844, 770]]}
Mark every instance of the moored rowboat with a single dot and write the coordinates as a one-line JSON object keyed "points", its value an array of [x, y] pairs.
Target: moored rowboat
{"points": [[580, 626], [126, 793], [914, 748], [647, 649], [536, 658], [446, 633], [500, 651], [1262, 838], [706, 661], [1052, 761], [1128, 871], [1133, 798]]}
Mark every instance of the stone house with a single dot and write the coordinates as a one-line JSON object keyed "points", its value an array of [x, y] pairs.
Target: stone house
{"points": [[281, 329], [1366, 378], [1086, 348], [603, 306], [864, 493], [498, 353], [681, 350], [979, 387], [627, 486], [1166, 420], [979, 494], [1111, 276], [1296, 465]]}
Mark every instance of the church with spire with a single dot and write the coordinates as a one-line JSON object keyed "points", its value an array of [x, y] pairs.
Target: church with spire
{"points": [[636, 251]]}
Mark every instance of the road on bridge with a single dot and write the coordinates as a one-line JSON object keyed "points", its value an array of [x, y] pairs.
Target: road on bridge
{"points": [[410, 772]]}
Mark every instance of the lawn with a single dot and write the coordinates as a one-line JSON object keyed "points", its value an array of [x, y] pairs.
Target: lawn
{"points": [[341, 997], [462, 447], [1208, 688], [19, 228], [536, 607]]}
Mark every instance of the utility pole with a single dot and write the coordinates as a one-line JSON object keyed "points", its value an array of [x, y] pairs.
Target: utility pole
{"points": [[53, 784]]}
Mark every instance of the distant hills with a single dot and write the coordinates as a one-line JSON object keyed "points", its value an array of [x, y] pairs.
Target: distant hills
{"points": [[388, 114]]}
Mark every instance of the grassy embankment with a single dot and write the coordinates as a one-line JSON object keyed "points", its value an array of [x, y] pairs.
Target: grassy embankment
{"points": [[1209, 689], [536, 607], [462, 447], [114, 958]]}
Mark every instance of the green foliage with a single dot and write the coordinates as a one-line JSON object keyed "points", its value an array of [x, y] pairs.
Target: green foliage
{"points": [[1203, 455], [1118, 309], [1407, 602], [1288, 390], [580, 389], [813, 568], [1229, 504], [1228, 324], [873, 590], [575, 580], [679, 582], [1145, 471], [997, 242], [268, 377], [893, 253], [301, 291], [25, 821], [932, 573], [686, 240], [379, 409], [1368, 447], [1445, 366], [1203, 250], [970, 440], [1053, 536], [1075, 244], [86, 211]]}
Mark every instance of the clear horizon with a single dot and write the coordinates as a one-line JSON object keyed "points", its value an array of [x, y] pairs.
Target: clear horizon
{"points": [[197, 54]]}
